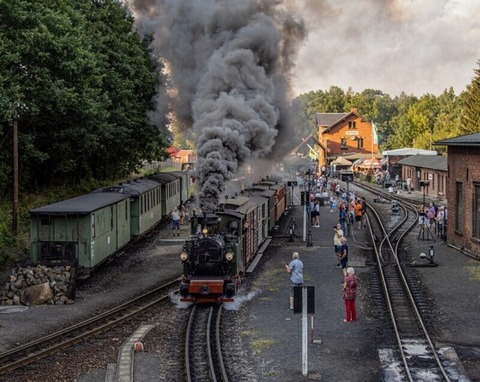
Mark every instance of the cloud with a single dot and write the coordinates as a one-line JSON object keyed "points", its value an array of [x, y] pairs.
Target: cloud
{"points": [[413, 46]]}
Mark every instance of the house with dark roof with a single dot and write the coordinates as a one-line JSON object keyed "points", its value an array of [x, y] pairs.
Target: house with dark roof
{"points": [[341, 134], [463, 189], [421, 168]]}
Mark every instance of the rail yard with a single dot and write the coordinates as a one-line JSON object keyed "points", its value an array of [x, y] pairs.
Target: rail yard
{"points": [[260, 337]]}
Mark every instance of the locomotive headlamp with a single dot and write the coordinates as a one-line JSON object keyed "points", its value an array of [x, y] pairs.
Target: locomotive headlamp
{"points": [[229, 256], [184, 256], [205, 230]]}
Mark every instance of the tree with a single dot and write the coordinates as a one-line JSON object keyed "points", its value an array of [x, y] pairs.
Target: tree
{"points": [[130, 81], [85, 80], [470, 122]]}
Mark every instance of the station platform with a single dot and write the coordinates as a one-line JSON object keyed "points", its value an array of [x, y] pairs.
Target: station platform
{"points": [[340, 351]]}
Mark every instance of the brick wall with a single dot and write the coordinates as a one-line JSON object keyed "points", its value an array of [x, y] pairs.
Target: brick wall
{"points": [[463, 167]]}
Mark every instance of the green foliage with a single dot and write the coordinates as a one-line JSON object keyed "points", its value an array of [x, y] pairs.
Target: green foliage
{"points": [[82, 83], [470, 122], [403, 121]]}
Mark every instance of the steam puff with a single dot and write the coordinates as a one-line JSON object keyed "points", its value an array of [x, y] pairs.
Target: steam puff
{"points": [[230, 61]]}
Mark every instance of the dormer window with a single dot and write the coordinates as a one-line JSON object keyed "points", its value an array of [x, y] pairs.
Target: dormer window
{"points": [[352, 124]]}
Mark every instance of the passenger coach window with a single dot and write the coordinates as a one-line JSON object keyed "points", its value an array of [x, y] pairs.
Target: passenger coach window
{"points": [[92, 225], [45, 221]]}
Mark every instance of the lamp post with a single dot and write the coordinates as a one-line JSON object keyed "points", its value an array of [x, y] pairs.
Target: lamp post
{"points": [[423, 184], [309, 180]]}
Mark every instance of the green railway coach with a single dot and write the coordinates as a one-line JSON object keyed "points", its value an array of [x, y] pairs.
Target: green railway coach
{"points": [[83, 231], [145, 203]]}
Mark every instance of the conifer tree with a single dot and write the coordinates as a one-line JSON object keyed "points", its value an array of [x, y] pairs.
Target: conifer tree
{"points": [[471, 109]]}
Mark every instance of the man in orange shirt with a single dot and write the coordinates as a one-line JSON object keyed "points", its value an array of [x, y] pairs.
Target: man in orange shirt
{"points": [[358, 214]]}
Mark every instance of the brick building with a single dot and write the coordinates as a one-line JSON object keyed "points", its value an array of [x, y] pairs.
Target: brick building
{"points": [[420, 168], [463, 188], [341, 134], [393, 157]]}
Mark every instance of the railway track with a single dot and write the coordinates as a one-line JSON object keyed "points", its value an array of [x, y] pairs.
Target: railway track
{"points": [[66, 338], [419, 355], [203, 353]]}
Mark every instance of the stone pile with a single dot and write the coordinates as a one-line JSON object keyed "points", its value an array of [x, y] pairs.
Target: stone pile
{"points": [[39, 285]]}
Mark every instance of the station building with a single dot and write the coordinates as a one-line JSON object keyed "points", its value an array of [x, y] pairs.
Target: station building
{"points": [[393, 157], [427, 173], [340, 134], [463, 189]]}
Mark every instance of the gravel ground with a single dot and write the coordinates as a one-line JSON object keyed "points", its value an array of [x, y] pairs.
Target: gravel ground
{"points": [[265, 337]]}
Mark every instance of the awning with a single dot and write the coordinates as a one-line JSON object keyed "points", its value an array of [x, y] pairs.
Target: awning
{"points": [[342, 161], [369, 163]]}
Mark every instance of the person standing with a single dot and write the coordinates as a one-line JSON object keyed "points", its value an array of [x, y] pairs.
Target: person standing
{"points": [[342, 217], [351, 211], [295, 269], [349, 295], [344, 257], [316, 214], [337, 242], [175, 222], [431, 216], [183, 211], [364, 212], [358, 214]]}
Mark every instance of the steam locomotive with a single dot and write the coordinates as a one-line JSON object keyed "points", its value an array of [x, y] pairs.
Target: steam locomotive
{"points": [[225, 245]]}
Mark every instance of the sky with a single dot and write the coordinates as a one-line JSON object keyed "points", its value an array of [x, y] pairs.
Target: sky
{"points": [[411, 46]]}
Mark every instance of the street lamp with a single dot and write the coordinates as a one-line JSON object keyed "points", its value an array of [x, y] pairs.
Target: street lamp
{"points": [[423, 184], [309, 180]]}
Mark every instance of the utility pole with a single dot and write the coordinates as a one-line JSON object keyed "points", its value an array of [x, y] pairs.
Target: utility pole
{"points": [[15, 174]]}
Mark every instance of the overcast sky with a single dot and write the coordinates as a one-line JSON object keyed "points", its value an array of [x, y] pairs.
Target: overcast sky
{"points": [[415, 46]]}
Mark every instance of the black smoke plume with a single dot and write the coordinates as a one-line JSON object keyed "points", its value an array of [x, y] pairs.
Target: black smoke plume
{"points": [[229, 63]]}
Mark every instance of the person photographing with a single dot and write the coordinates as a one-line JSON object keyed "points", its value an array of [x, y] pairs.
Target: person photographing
{"points": [[295, 269]]}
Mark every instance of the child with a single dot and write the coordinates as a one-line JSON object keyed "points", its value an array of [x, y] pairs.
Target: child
{"points": [[333, 204]]}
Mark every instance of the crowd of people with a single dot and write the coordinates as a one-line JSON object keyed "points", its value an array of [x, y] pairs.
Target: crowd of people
{"points": [[435, 219], [351, 211], [351, 215]]}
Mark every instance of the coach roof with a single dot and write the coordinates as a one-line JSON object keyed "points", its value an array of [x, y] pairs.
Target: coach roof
{"points": [[84, 204]]}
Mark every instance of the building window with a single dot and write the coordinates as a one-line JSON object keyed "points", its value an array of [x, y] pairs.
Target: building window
{"points": [[476, 212], [352, 124], [459, 206], [359, 143], [343, 144]]}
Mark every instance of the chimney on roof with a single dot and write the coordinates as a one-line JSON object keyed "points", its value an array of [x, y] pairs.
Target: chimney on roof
{"points": [[354, 110]]}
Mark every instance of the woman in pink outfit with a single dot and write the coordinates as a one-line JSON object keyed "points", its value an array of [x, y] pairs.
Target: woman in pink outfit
{"points": [[349, 295]]}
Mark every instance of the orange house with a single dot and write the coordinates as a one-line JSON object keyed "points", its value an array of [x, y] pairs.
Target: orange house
{"points": [[344, 133], [183, 156]]}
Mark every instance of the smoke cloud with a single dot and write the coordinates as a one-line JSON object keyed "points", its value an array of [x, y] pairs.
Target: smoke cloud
{"points": [[230, 64]]}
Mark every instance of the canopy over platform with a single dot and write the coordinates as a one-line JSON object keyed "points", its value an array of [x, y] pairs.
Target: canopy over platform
{"points": [[408, 152]]}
